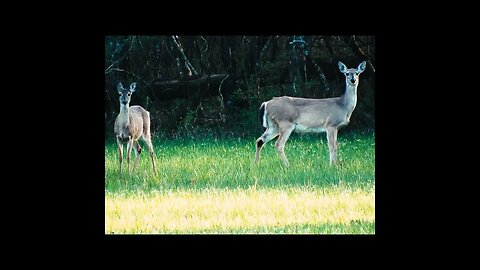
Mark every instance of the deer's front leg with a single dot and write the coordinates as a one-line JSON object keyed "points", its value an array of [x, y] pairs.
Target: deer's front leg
{"points": [[283, 136], [332, 144]]}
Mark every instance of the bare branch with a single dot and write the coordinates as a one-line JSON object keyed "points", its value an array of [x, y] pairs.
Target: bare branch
{"points": [[140, 42], [353, 44], [220, 88], [188, 65], [323, 80], [262, 52], [168, 50], [206, 43], [108, 69], [222, 115], [328, 42], [131, 74], [179, 67]]}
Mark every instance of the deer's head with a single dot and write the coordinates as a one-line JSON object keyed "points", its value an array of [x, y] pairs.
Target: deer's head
{"points": [[351, 74], [125, 94]]}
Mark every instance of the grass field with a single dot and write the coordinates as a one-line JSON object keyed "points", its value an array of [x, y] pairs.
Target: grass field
{"points": [[212, 186]]}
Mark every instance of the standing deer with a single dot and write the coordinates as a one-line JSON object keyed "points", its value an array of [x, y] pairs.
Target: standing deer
{"points": [[131, 124], [283, 115]]}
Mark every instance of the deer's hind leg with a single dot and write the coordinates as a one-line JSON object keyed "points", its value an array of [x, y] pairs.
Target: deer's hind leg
{"points": [[129, 152], [268, 135], [120, 154], [138, 150], [148, 140]]}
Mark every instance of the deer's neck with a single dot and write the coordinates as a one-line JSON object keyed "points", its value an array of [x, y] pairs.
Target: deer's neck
{"points": [[350, 97], [124, 119]]}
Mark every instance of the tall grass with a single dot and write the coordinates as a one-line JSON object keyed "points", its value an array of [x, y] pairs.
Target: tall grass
{"points": [[212, 186]]}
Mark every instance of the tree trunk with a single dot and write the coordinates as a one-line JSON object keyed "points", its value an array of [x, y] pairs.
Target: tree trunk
{"points": [[184, 89]]}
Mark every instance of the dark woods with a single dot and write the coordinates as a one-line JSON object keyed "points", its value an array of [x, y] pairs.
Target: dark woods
{"points": [[213, 85]]}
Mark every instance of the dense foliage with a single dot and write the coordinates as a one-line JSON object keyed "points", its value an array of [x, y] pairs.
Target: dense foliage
{"points": [[213, 85]]}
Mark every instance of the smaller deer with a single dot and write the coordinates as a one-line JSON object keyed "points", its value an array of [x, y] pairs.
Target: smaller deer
{"points": [[131, 124], [283, 115]]}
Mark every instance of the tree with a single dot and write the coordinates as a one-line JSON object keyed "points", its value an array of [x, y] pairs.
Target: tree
{"points": [[223, 79]]}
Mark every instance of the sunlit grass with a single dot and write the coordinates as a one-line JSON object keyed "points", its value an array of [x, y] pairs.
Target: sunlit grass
{"points": [[212, 186], [295, 210]]}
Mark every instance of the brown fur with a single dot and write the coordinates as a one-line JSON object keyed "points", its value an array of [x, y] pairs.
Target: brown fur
{"points": [[131, 124], [286, 114]]}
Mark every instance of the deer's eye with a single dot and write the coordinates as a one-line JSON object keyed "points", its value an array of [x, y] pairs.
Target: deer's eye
{"points": [[129, 93]]}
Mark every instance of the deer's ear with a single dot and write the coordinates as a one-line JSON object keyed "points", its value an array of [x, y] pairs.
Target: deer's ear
{"points": [[132, 86], [361, 67], [342, 67], [119, 87]]}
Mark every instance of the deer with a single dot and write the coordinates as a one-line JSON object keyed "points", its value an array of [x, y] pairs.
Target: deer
{"points": [[131, 124], [283, 115]]}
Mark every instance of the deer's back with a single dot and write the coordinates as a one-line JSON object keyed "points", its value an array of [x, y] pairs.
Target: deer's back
{"points": [[306, 112], [138, 112]]}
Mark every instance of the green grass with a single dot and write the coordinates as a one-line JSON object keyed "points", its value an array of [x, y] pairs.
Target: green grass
{"points": [[212, 186]]}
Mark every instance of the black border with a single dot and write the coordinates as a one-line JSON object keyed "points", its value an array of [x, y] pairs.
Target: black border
{"points": [[88, 217]]}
